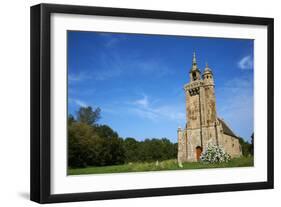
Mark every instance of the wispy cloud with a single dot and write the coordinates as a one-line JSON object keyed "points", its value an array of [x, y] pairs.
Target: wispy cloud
{"points": [[145, 109], [94, 74], [78, 102], [76, 77], [111, 40], [114, 66], [235, 104], [143, 102], [156, 67], [106, 74], [246, 63]]}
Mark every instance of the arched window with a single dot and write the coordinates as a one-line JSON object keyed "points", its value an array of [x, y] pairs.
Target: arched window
{"points": [[194, 76]]}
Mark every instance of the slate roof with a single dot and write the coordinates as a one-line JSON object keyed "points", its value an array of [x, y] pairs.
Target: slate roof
{"points": [[226, 129]]}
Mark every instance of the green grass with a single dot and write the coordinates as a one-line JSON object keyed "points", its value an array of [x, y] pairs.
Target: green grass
{"points": [[163, 165]]}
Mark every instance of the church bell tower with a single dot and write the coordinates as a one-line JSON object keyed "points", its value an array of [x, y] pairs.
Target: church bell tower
{"points": [[200, 112], [203, 127]]}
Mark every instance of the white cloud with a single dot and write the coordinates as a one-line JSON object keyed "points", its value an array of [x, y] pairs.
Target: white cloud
{"points": [[143, 102], [246, 63], [144, 109], [105, 74], [113, 65], [78, 102], [112, 42], [77, 77], [235, 104]]}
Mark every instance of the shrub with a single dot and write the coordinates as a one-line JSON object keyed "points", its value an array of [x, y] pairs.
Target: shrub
{"points": [[214, 154]]}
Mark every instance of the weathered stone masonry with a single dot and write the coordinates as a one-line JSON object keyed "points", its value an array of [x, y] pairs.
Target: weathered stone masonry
{"points": [[203, 127]]}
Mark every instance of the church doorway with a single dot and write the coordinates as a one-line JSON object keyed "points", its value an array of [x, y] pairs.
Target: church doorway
{"points": [[198, 152]]}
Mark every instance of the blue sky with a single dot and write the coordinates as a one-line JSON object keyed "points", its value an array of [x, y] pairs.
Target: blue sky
{"points": [[137, 80]]}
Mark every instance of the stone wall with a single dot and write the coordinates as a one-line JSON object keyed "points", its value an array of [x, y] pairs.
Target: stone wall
{"points": [[182, 145], [189, 139], [192, 111], [231, 145]]}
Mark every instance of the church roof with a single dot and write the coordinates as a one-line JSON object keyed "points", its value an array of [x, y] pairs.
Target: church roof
{"points": [[226, 129]]}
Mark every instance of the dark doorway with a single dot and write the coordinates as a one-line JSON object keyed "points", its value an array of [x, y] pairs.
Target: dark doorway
{"points": [[198, 152]]}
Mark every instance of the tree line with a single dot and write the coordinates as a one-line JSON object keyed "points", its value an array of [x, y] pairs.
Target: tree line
{"points": [[247, 147], [93, 144]]}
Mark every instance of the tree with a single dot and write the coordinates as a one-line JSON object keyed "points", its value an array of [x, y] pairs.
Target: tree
{"points": [[131, 150], [70, 119], [93, 146], [252, 144], [113, 150], [82, 145], [88, 116], [246, 147], [149, 150]]}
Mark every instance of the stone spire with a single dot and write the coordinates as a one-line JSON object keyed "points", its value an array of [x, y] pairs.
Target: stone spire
{"points": [[194, 73], [194, 59], [194, 64]]}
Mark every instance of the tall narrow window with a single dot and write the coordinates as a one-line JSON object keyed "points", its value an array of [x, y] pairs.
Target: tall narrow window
{"points": [[194, 76]]}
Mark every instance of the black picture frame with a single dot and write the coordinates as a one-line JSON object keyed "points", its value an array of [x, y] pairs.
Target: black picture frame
{"points": [[41, 95]]}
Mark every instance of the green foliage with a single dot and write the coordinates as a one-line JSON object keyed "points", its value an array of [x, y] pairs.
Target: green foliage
{"points": [[131, 147], [111, 147], [70, 119], [91, 144], [149, 150], [247, 148], [88, 116], [252, 145], [82, 144]]}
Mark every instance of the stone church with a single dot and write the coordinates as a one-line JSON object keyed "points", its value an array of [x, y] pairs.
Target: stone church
{"points": [[203, 127]]}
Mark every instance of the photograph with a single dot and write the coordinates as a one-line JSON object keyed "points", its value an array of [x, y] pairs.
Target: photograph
{"points": [[133, 103], [151, 102]]}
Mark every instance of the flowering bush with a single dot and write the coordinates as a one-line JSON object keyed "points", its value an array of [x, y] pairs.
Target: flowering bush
{"points": [[214, 154]]}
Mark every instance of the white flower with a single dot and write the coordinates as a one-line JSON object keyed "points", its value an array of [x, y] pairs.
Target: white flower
{"points": [[214, 154]]}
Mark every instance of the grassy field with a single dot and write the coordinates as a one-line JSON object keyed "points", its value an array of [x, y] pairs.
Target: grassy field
{"points": [[157, 166]]}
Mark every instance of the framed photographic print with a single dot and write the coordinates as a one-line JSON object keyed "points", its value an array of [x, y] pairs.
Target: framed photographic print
{"points": [[133, 103]]}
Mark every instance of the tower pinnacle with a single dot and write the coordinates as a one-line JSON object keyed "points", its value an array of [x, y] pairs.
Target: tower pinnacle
{"points": [[194, 59], [207, 69]]}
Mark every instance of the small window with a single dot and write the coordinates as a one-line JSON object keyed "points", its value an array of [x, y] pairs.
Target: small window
{"points": [[194, 76], [232, 145]]}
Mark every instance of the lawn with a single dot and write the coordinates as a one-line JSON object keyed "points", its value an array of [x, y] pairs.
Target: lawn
{"points": [[157, 166]]}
